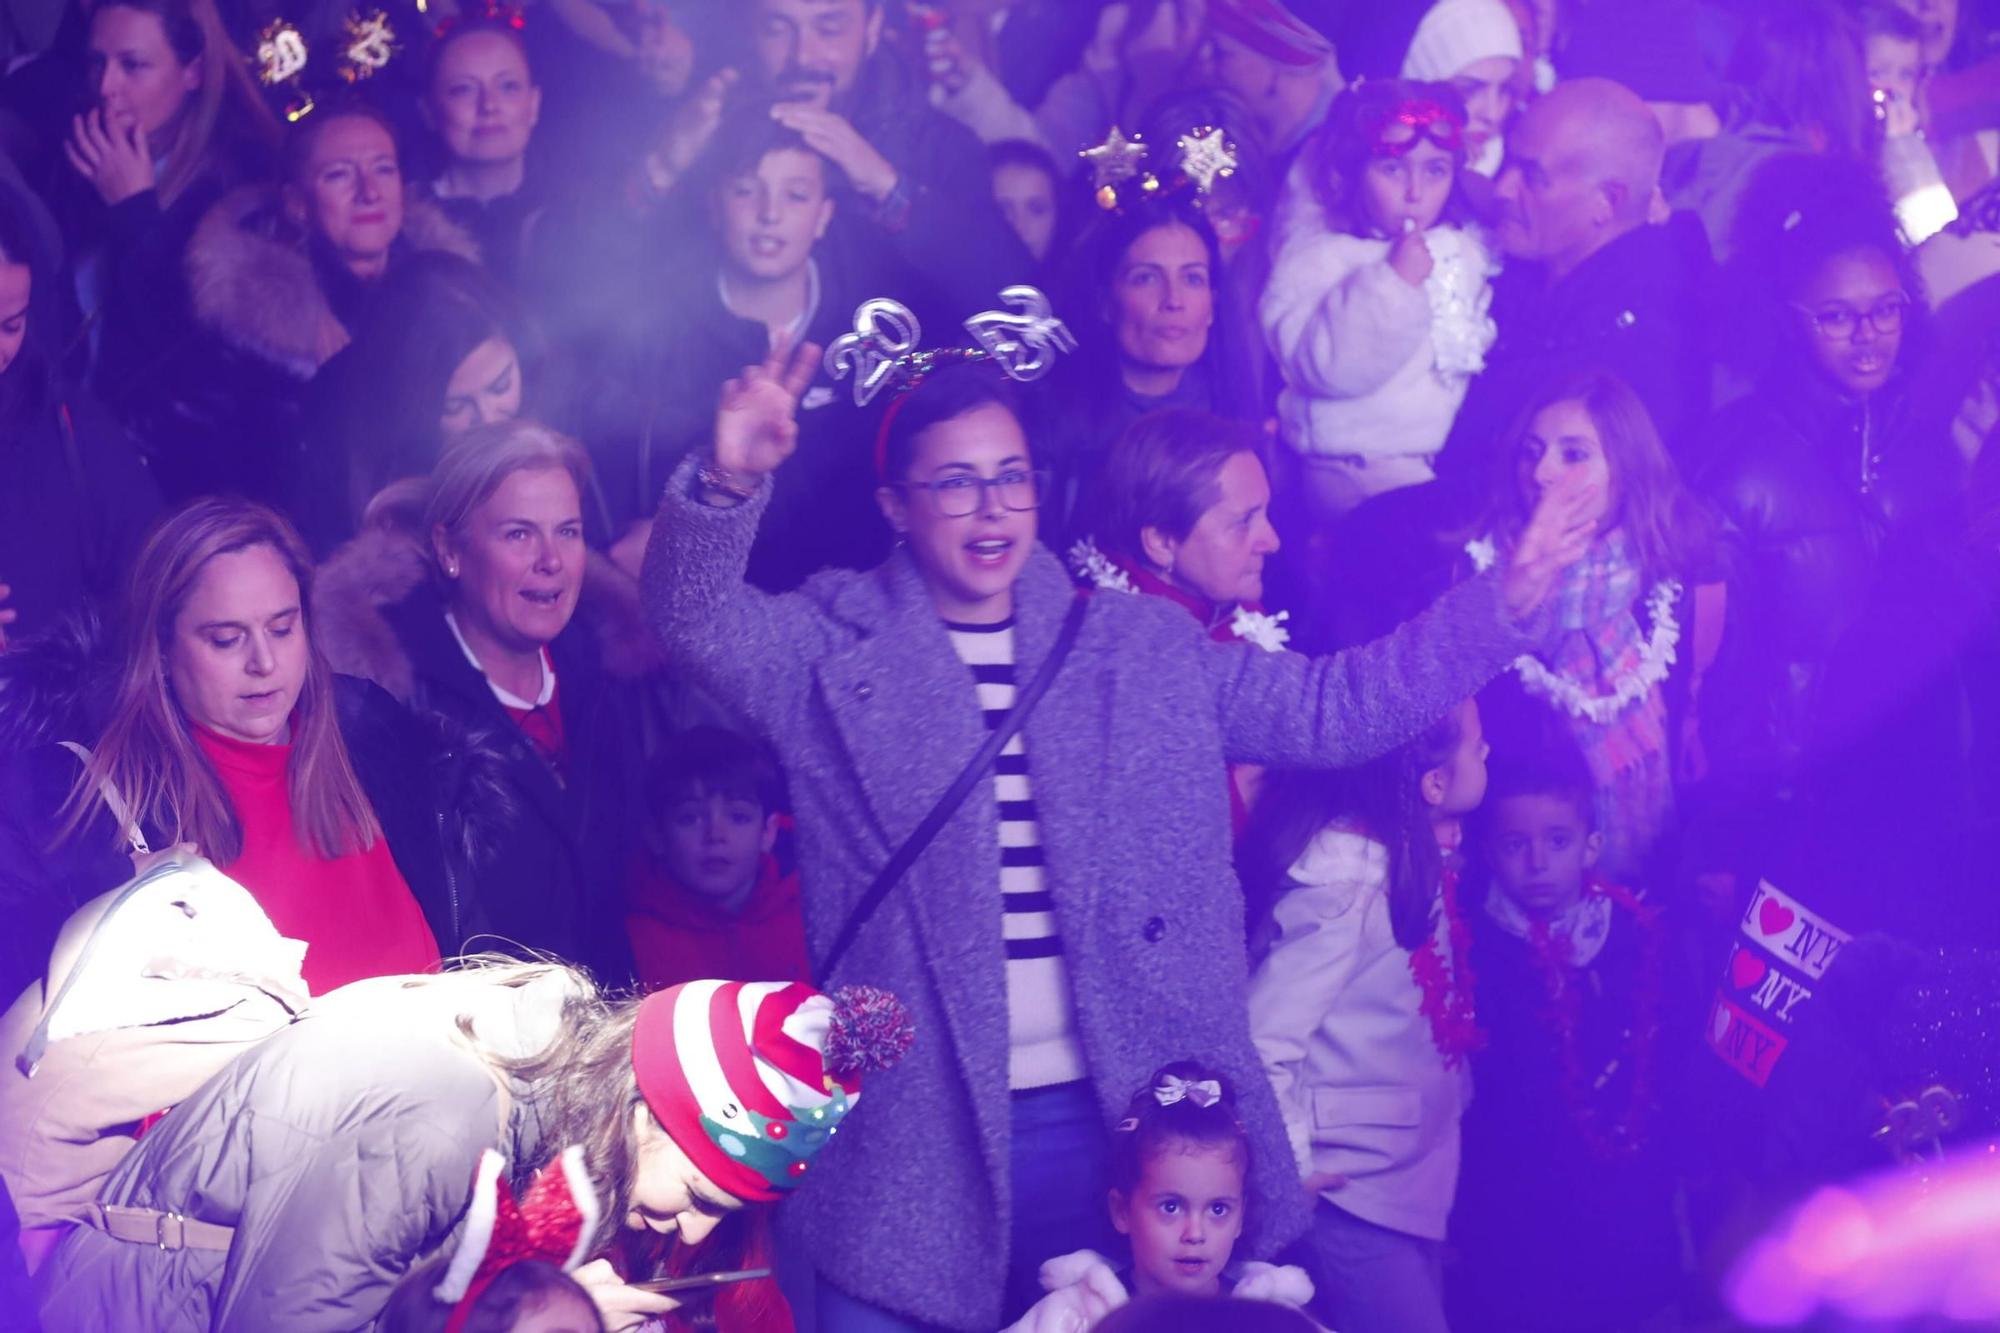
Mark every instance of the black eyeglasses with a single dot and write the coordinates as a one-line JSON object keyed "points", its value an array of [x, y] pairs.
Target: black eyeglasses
{"points": [[1839, 322], [962, 495]]}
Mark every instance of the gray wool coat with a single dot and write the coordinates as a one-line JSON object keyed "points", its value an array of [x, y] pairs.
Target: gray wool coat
{"points": [[854, 681]]}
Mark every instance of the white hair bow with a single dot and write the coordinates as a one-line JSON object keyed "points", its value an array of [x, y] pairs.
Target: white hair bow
{"points": [[1172, 1089]]}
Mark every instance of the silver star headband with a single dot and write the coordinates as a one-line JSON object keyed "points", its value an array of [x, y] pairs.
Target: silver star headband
{"points": [[882, 351]]}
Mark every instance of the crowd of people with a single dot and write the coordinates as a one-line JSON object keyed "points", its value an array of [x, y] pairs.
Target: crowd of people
{"points": [[1351, 647]]}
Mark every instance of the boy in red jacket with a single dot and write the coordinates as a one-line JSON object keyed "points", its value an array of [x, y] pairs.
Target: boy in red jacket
{"points": [[707, 895]]}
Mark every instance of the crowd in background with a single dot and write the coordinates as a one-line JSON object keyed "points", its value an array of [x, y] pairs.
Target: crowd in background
{"points": [[1522, 471]]}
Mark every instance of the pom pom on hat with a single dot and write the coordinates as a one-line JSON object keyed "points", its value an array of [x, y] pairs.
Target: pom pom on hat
{"points": [[752, 1079], [871, 1031], [1457, 33]]}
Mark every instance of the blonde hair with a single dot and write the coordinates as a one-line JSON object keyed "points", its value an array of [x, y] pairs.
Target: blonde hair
{"points": [[477, 462], [227, 99], [148, 753]]}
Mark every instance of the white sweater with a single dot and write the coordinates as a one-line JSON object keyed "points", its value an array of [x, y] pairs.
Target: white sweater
{"points": [[1372, 365], [1338, 1020]]}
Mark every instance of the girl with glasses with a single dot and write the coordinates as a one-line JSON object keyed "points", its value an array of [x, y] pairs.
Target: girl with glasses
{"points": [[1815, 472], [1076, 923]]}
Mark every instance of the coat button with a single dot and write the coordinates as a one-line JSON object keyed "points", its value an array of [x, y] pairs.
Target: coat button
{"points": [[864, 692], [1156, 930]]}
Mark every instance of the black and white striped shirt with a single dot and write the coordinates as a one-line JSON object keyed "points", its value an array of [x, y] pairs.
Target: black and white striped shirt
{"points": [[1040, 1011]]}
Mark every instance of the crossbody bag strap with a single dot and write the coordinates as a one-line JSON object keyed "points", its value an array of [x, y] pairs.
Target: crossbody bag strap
{"points": [[954, 796], [113, 801]]}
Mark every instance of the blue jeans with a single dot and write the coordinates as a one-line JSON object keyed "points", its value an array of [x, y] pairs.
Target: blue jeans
{"points": [[1059, 1161], [1369, 1279]]}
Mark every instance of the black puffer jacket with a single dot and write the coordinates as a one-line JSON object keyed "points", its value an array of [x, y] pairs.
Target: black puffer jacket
{"points": [[1810, 487], [550, 883], [435, 785]]}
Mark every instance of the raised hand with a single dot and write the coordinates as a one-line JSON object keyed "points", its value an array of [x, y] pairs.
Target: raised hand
{"points": [[111, 154], [831, 136], [1558, 533], [756, 421], [688, 133]]}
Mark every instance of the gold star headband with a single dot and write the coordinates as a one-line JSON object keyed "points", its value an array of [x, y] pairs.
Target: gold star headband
{"points": [[1118, 166]]}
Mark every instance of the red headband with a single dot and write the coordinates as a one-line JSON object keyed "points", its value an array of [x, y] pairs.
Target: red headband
{"points": [[1399, 130]]}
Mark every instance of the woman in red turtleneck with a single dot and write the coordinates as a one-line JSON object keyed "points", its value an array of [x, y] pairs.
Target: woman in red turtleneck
{"points": [[224, 735], [1182, 511]]}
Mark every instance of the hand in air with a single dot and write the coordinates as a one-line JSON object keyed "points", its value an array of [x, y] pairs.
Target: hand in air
{"points": [[694, 124], [110, 152], [622, 1307], [1557, 535], [756, 422]]}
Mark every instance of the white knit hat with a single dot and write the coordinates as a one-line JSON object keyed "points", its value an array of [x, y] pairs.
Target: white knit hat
{"points": [[1456, 33]]}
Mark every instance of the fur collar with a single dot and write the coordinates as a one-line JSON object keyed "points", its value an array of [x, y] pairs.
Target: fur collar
{"points": [[357, 585], [251, 281], [56, 686]]}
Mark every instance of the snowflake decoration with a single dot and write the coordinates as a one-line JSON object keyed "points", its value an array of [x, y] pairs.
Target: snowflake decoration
{"points": [[1265, 630], [371, 42], [1098, 568], [1205, 155], [1116, 159], [281, 53]]}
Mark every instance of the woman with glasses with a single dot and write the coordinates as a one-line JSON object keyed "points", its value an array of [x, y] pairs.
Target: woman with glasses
{"points": [[1076, 922], [1816, 470]]}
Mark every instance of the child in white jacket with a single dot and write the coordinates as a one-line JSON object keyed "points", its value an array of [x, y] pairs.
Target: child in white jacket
{"points": [[1363, 1014], [1376, 310]]}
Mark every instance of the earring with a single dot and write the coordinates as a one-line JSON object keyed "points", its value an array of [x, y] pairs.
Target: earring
{"points": [[451, 570]]}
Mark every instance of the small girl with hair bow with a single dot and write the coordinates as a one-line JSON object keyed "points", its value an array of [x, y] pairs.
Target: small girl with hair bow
{"points": [[1376, 307], [1180, 1161]]}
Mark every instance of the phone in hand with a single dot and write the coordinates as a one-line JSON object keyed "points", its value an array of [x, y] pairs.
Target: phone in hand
{"points": [[700, 1281]]}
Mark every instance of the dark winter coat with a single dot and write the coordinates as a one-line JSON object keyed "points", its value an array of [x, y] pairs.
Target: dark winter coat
{"points": [[341, 1151], [75, 498], [269, 310], [549, 881], [1632, 308], [433, 783], [1554, 1236], [854, 680], [940, 222], [1809, 486]]}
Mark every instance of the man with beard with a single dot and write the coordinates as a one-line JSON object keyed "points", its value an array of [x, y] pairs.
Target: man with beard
{"points": [[919, 177]]}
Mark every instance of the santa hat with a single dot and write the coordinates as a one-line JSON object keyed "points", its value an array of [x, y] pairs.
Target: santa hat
{"points": [[1270, 29], [553, 1222], [752, 1079], [1457, 33]]}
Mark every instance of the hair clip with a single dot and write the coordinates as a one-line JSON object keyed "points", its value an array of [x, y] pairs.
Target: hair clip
{"points": [[371, 44], [1172, 1090], [882, 351], [1128, 1125]]}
